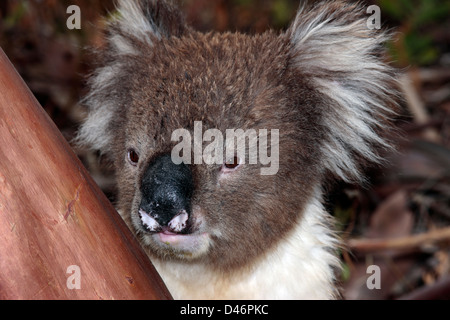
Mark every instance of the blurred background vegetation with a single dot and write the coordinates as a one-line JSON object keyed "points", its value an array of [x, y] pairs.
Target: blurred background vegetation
{"points": [[408, 198]]}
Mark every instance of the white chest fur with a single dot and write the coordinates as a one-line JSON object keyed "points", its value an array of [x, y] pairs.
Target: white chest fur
{"points": [[302, 266]]}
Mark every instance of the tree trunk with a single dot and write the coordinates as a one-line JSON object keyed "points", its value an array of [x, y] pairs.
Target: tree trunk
{"points": [[60, 238]]}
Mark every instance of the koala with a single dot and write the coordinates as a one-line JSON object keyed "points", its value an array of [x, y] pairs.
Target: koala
{"points": [[222, 229]]}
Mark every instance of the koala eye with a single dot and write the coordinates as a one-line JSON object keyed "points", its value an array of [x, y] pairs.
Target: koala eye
{"points": [[133, 157], [232, 164]]}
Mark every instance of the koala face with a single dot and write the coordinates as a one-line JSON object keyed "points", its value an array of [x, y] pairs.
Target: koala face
{"points": [[206, 211], [317, 108]]}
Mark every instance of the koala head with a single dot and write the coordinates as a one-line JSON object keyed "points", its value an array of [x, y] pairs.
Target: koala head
{"points": [[313, 98]]}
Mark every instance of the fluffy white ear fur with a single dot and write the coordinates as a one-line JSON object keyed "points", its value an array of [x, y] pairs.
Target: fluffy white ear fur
{"points": [[131, 32], [127, 32], [335, 48], [133, 22]]}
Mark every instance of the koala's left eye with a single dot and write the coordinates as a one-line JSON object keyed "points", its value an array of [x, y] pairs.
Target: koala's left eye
{"points": [[133, 157], [232, 164]]}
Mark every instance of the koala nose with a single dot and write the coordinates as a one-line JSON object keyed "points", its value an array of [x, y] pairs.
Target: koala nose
{"points": [[166, 195]]}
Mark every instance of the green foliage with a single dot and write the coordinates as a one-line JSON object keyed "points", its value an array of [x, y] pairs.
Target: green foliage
{"points": [[278, 13], [16, 15], [282, 12], [345, 272], [416, 44]]}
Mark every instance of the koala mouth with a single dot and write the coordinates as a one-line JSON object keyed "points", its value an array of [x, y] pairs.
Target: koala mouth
{"points": [[176, 234]]}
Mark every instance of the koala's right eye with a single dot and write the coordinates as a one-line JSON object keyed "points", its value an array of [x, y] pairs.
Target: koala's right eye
{"points": [[133, 157]]}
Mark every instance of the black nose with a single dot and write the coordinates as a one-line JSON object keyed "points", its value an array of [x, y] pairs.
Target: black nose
{"points": [[166, 195]]}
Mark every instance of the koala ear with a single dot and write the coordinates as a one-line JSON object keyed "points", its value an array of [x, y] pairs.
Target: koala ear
{"points": [[333, 47], [139, 24], [144, 20]]}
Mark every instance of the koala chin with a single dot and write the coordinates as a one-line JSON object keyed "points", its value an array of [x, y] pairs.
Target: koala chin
{"points": [[314, 97]]}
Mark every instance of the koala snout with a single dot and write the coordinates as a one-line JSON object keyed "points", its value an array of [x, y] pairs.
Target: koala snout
{"points": [[166, 190], [176, 225]]}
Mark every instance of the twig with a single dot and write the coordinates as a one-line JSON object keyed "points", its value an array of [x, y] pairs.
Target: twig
{"points": [[417, 107], [439, 290], [404, 243]]}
